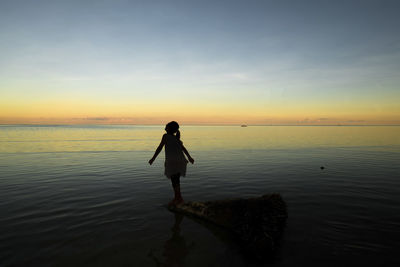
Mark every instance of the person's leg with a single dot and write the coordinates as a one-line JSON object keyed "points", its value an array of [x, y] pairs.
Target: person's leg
{"points": [[175, 179]]}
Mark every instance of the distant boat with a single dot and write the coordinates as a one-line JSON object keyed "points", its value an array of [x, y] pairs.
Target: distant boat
{"points": [[243, 125]]}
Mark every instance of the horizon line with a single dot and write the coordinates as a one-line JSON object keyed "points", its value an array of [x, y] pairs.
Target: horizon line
{"points": [[189, 124]]}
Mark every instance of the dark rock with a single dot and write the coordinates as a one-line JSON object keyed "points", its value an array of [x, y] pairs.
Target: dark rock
{"points": [[258, 222]]}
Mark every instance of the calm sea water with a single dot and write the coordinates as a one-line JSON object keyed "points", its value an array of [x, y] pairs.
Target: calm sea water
{"points": [[86, 196]]}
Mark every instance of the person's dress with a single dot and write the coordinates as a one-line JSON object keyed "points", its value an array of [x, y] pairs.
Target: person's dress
{"points": [[175, 161]]}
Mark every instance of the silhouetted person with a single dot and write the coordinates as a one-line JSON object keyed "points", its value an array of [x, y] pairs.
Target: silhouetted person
{"points": [[175, 161]]}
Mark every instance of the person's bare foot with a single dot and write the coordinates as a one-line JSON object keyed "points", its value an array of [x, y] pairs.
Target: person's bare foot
{"points": [[179, 201], [172, 202]]}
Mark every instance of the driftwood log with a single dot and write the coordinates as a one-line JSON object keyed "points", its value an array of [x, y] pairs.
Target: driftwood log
{"points": [[257, 222]]}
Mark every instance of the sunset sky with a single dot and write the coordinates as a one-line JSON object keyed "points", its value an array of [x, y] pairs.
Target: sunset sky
{"points": [[200, 62]]}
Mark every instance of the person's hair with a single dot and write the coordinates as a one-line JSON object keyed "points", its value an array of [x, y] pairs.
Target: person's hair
{"points": [[174, 127]]}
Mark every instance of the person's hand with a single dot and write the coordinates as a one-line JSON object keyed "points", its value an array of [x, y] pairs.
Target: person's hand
{"points": [[151, 161], [191, 160]]}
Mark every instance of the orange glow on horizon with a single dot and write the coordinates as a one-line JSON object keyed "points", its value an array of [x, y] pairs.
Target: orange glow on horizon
{"points": [[83, 111]]}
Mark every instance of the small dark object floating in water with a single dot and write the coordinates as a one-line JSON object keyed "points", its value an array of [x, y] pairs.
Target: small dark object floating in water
{"points": [[322, 167], [243, 125], [258, 222]]}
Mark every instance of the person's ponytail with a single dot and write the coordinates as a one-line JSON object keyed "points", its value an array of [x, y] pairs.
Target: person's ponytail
{"points": [[178, 135]]}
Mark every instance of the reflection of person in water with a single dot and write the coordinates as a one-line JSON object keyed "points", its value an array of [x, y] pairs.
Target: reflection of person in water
{"points": [[175, 161], [175, 248]]}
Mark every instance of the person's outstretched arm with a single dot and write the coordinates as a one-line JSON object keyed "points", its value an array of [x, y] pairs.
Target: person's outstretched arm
{"points": [[187, 154], [158, 150]]}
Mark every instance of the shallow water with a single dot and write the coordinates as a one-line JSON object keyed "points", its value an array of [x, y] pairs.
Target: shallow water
{"points": [[86, 196]]}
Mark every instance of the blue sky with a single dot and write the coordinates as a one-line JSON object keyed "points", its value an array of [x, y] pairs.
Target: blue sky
{"points": [[249, 56]]}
